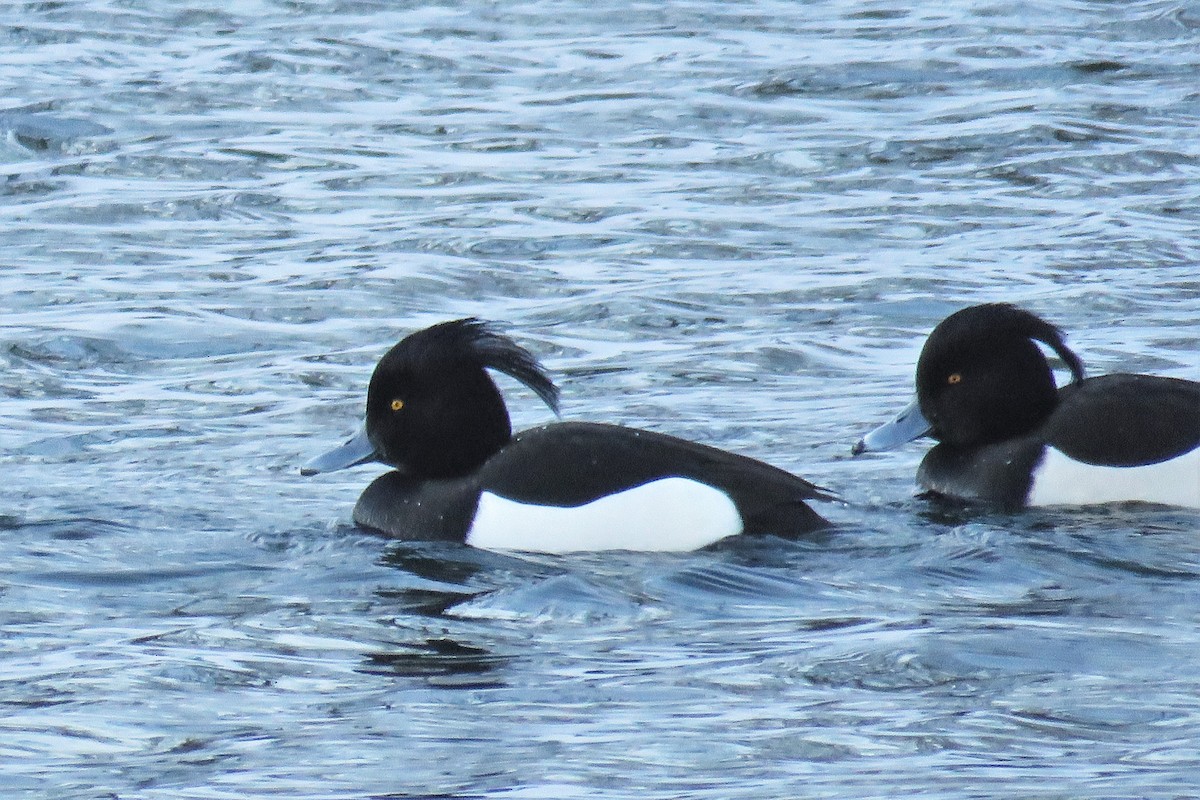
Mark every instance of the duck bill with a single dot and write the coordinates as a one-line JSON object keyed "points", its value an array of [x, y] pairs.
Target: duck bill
{"points": [[358, 450], [909, 424]]}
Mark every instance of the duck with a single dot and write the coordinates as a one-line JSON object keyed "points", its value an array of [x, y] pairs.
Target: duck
{"points": [[1007, 434], [437, 418]]}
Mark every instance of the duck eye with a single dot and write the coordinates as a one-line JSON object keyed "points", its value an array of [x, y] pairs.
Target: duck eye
{"points": [[954, 379], [397, 404]]}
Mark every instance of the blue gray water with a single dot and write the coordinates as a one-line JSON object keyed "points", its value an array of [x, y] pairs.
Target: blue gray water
{"points": [[733, 222]]}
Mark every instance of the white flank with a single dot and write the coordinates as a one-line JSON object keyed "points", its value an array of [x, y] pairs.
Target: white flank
{"points": [[1060, 480], [671, 514]]}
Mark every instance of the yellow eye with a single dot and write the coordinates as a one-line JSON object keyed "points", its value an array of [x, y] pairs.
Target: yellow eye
{"points": [[955, 378], [397, 404]]}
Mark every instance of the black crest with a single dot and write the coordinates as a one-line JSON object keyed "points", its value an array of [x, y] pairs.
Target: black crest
{"points": [[995, 319], [477, 342]]}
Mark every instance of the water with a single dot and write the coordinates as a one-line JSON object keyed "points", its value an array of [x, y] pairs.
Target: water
{"points": [[730, 222]]}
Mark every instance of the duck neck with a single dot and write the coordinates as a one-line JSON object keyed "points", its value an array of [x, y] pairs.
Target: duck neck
{"points": [[1027, 397], [460, 436]]}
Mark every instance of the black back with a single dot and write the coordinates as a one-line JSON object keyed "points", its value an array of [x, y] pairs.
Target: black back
{"points": [[1126, 420]]}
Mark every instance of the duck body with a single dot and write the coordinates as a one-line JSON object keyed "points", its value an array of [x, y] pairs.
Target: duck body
{"points": [[575, 486], [1112, 438], [459, 474], [1008, 436]]}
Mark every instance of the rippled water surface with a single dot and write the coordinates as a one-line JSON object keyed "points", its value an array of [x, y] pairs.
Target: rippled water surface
{"points": [[733, 222]]}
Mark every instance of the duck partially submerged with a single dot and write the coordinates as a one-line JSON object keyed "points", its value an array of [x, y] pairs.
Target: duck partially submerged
{"points": [[1006, 434], [437, 418]]}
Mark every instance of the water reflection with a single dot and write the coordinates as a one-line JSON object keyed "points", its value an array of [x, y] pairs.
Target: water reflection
{"points": [[448, 662]]}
